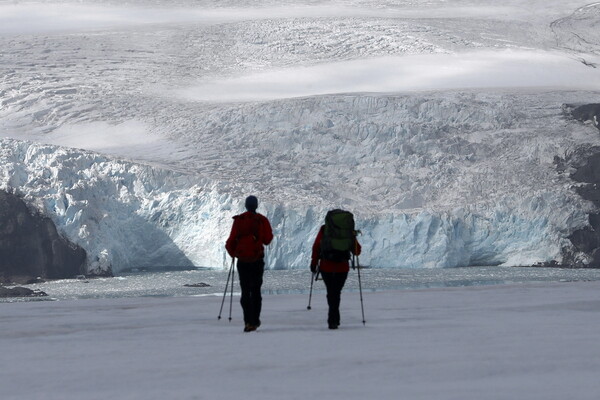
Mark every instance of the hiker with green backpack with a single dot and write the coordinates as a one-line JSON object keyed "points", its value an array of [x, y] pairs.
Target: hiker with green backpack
{"points": [[331, 251]]}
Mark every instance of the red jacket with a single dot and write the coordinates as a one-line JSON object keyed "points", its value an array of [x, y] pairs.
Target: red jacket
{"points": [[249, 233], [328, 265]]}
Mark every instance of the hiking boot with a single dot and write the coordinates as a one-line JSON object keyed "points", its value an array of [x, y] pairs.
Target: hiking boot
{"points": [[249, 328], [333, 326]]}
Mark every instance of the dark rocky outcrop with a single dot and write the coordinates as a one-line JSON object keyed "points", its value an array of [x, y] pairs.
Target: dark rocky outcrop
{"points": [[201, 284], [31, 247], [587, 240], [20, 292], [584, 113], [585, 166]]}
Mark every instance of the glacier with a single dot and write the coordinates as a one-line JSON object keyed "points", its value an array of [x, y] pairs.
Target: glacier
{"points": [[441, 127]]}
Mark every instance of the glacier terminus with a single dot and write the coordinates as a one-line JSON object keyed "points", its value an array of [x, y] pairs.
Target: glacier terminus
{"points": [[454, 132]]}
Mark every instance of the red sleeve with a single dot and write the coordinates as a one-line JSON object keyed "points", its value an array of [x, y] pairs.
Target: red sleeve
{"points": [[316, 248], [231, 240], [266, 233]]}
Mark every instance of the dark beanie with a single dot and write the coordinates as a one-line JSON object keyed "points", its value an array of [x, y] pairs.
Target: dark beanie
{"points": [[251, 203]]}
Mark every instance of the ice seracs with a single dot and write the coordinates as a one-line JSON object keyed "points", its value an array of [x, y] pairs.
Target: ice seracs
{"points": [[464, 179]]}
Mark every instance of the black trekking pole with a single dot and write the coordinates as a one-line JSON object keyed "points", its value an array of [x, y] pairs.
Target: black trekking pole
{"points": [[313, 277], [362, 308], [231, 297], [226, 287]]}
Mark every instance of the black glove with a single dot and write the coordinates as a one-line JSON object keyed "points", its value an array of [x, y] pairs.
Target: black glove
{"points": [[313, 268]]}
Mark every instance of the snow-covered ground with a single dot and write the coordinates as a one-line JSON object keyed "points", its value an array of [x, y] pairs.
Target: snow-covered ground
{"points": [[529, 341], [437, 123]]}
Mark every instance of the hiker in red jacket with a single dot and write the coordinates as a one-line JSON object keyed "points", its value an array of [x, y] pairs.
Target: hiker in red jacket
{"points": [[334, 273], [249, 233]]}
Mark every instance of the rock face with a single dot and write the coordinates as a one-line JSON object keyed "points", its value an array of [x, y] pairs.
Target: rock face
{"points": [[585, 113], [30, 245], [587, 174], [584, 167], [20, 292]]}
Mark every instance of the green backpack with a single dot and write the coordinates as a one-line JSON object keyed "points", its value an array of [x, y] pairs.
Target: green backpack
{"points": [[338, 236]]}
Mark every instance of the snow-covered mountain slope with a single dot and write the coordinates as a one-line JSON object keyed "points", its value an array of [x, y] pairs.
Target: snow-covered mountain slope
{"points": [[439, 125]]}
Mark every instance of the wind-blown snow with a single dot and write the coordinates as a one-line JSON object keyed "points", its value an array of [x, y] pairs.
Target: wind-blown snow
{"points": [[437, 124], [481, 69]]}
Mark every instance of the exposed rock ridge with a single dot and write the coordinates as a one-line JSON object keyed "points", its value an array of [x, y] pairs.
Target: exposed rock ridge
{"points": [[31, 247], [584, 165]]}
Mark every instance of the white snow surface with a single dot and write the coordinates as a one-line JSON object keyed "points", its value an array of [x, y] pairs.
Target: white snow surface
{"points": [[530, 341], [140, 128]]}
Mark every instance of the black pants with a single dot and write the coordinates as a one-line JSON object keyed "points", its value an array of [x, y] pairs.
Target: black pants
{"points": [[334, 282], [251, 279]]}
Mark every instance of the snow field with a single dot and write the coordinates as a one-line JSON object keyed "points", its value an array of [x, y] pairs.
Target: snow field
{"points": [[531, 341]]}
